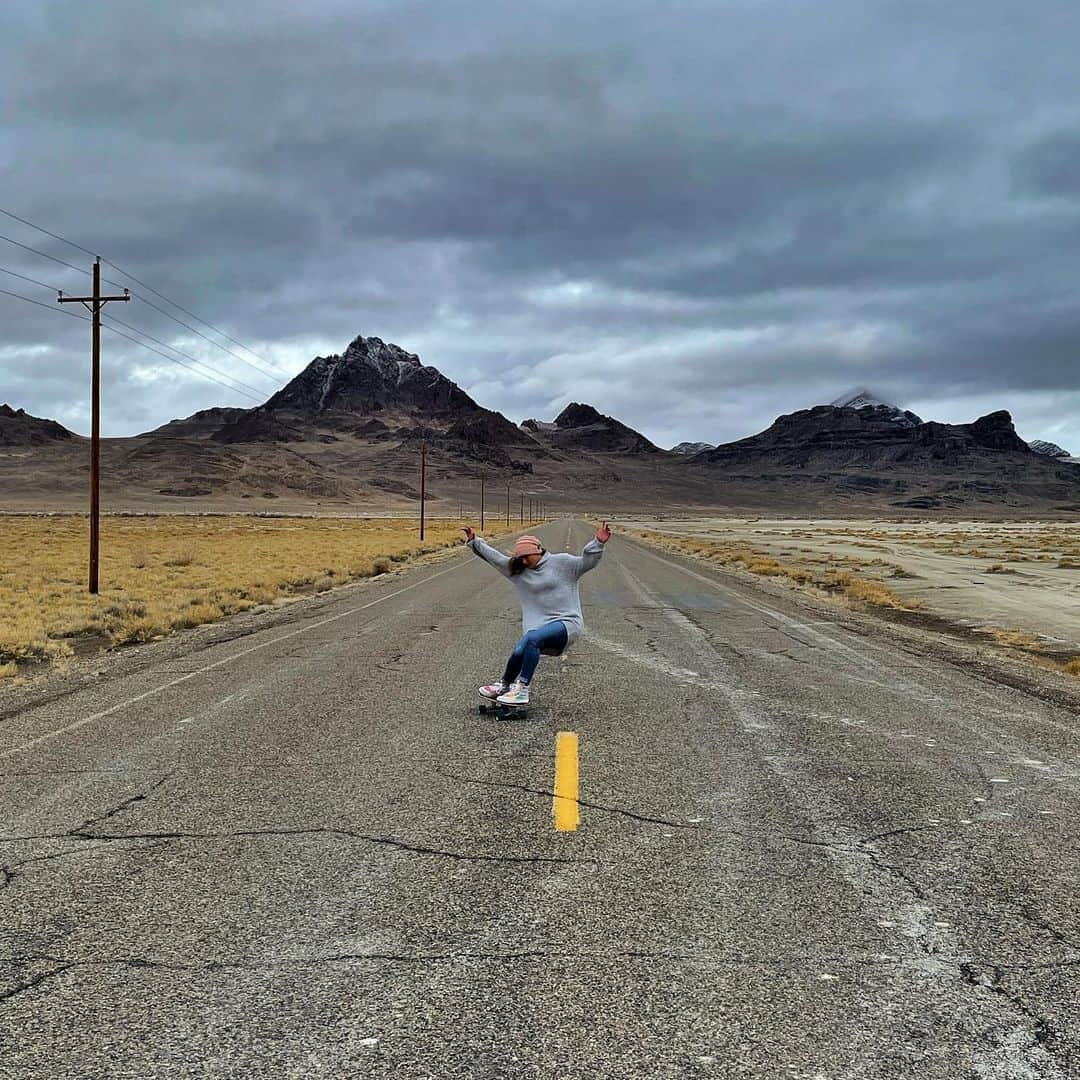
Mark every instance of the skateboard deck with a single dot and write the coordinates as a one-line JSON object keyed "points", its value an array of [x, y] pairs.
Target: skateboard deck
{"points": [[503, 712]]}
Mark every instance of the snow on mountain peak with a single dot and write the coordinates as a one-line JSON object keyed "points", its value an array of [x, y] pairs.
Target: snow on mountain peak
{"points": [[861, 398], [1048, 449]]}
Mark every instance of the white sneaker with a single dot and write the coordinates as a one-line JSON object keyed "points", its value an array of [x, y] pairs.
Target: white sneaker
{"points": [[492, 690], [518, 694]]}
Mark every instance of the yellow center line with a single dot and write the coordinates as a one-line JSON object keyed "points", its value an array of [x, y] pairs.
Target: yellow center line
{"points": [[565, 800]]}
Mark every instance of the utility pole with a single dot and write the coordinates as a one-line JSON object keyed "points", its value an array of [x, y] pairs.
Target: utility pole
{"points": [[508, 504], [423, 482], [481, 502], [94, 304], [521, 511]]}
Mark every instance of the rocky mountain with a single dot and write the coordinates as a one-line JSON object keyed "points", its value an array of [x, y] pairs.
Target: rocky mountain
{"points": [[582, 427], [690, 448], [829, 454], [204, 422], [344, 437], [372, 376], [374, 391], [868, 437], [19, 428], [1049, 449]]}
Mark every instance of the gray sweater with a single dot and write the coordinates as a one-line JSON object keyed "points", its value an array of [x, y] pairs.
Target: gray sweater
{"points": [[548, 591]]}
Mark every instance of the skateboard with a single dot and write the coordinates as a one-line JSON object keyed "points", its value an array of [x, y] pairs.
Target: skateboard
{"points": [[503, 712]]}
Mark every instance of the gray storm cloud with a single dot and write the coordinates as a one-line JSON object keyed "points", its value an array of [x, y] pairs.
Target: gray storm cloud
{"points": [[695, 218]]}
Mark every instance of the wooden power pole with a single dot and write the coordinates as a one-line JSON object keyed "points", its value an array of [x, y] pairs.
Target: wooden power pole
{"points": [[521, 510], [481, 502], [94, 304], [508, 504], [423, 482]]}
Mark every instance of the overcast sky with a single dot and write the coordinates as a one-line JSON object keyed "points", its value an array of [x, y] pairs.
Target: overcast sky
{"points": [[694, 216]]}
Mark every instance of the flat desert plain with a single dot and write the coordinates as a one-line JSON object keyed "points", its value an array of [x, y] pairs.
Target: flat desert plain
{"points": [[1017, 582]]}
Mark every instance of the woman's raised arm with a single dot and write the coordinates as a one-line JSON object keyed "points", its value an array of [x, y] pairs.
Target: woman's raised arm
{"points": [[486, 552]]}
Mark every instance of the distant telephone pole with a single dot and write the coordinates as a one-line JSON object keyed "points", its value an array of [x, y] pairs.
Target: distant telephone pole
{"points": [[94, 304], [423, 482], [521, 510], [508, 504], [481, 502]]}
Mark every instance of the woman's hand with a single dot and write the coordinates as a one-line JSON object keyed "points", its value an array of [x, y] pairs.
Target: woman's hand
{"points": [[469, 534], [603, 534]]}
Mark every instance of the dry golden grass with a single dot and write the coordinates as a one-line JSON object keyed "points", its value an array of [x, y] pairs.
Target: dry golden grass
{"points": [[1073, 666], [757, 562], [1015, 639], [159, 574], [873, 592]]}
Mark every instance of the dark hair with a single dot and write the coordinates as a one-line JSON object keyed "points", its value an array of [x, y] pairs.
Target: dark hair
{"points": [[517, 563]]}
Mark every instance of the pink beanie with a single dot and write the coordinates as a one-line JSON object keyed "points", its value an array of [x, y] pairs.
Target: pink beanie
{"points": [[527, 545]]}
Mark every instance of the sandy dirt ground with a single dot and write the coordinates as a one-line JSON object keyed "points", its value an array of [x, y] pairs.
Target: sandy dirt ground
{"points": [[1022, 576]]}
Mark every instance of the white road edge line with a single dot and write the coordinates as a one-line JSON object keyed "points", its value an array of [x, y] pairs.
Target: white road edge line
{"points": [[219, 663]]}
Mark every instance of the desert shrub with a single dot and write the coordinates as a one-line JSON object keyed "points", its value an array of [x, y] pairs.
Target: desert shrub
{"points": [[182, 556], [139, 558], [197, 613], [873, 592], [765, 567], [135, 629], [9, 670], [1073, 666], [381, 565]]}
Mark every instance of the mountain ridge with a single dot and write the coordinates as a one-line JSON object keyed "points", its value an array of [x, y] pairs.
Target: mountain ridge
{"points": [[20, 428]]}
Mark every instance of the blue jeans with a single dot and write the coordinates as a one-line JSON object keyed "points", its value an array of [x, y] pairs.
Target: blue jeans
{"points": [[549, 639]]}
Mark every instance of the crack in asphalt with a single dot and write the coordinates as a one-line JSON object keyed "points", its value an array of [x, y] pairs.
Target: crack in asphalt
{"points": [[37, 980], [581, 802], [123, 805], [991, 977], [970, 972], [10, 871], [352, 834], [86, 831]]}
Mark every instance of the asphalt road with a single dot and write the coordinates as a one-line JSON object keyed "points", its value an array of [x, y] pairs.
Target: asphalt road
{"points": [[289, 846]]}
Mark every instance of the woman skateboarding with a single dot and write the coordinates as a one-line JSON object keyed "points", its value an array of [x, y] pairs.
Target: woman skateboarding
{"points": [[547, 586]]}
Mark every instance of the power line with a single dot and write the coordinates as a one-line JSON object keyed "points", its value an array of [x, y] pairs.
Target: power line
{"points": [[83, 318], [150, 288], [48, 307], [224, 374], [187, 326], [179, 307], [143, 345], [46, 255], [64, 240], [33, 281]]}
